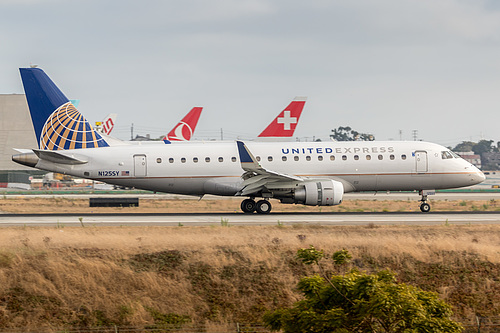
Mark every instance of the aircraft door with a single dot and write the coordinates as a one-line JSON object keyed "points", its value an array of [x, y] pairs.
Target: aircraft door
{"points": [[140, 166], [421, 161]]}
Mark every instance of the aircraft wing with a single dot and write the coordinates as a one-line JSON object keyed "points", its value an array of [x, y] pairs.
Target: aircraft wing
{"points": [[256, 177]]}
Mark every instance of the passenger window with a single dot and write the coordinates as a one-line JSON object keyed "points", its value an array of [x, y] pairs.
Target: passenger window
{"points": [[380, 157], [207, 159], [356, 157], [320, 157], [403, 157], [332, 158], [270, 158], [344, 158], [392, 157], [233, 159], [195, 159], [170, 160], [158, 160], [258, 158], [368, 157], [295, 158], [183, 160], [308, 158], [283, 158], [221, 159]]}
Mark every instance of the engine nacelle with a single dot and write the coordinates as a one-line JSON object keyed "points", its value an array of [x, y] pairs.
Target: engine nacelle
{"points": [[320, 193]]}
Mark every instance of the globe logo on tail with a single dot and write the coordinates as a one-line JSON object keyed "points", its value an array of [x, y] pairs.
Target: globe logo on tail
{"points": [[66, 128]]}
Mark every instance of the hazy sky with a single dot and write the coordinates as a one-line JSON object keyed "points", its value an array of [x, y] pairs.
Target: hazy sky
{"points": [[379, 66]]}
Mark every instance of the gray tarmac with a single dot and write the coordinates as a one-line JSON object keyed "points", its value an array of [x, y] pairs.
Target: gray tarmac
{"points": [[202, 219], [214, 219], [347, 196]]}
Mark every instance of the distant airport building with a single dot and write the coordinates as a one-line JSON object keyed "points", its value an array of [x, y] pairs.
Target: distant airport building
{"points": [[16, 131], [472, 158], [491, 160]]}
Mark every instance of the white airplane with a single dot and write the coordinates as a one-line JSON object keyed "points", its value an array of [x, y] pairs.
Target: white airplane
{"points": [[309, 173]]}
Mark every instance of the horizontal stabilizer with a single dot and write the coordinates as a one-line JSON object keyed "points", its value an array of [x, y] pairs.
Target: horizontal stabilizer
{"points": [[23, 151], [57, 157]]}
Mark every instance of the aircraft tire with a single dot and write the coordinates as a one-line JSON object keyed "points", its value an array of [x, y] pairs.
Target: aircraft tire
{"points": [[425, 207], [248, 206], [263, 207]]}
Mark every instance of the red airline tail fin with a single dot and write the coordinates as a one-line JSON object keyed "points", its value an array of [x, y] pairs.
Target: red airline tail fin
{"points": [[184, 130], [283, 126]]}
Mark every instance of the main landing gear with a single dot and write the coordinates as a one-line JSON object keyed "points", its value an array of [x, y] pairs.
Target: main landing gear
{"points": [[262, 206], [424, 206]]}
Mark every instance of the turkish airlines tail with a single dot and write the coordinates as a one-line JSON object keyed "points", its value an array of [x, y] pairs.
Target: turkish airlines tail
{"points": [[184, 130], [283, 126]]}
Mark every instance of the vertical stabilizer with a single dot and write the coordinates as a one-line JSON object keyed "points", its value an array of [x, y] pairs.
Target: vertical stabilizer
{"points": [[184, 130], [283, 126], [57, 123]]}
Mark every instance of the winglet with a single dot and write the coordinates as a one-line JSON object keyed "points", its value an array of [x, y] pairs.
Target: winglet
{"points": [[247, 160]]}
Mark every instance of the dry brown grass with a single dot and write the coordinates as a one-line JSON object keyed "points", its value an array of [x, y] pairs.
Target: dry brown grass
{"points": [[22, 204], [99, 276]]}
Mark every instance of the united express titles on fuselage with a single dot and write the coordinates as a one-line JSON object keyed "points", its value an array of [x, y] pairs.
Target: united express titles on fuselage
{"points": [[342, 150]]}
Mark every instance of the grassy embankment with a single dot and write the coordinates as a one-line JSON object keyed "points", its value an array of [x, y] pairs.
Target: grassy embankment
{"points": [[150, 276]]}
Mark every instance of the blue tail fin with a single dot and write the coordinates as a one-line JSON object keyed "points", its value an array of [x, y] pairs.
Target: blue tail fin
{"points": [[58, 124]]}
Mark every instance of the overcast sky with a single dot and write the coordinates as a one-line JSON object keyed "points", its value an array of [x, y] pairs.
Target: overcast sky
{"points": [[379, 66]]}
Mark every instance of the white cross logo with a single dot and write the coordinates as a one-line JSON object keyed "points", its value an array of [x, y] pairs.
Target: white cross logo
{"points": [[286, 120]]}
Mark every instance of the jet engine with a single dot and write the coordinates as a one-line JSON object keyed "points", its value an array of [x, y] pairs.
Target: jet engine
{"points": [[320, 193]]}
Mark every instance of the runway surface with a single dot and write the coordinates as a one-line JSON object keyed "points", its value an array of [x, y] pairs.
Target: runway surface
{"points": [[201, 219], [347, 196]]}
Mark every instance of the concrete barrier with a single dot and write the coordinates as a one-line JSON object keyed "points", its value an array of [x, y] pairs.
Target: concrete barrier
{"points": [[114, 202]]}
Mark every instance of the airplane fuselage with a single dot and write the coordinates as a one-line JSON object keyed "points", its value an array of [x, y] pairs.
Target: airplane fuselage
{"points": [[199, 168]]}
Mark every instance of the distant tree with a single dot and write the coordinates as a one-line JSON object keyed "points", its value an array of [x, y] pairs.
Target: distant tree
{"points": [[464, 146], [348, 134], [359, 302], [484, 146]]}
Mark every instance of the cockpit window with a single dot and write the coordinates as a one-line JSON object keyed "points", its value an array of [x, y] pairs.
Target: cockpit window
{"points": [[446, 155], [455, 154]]}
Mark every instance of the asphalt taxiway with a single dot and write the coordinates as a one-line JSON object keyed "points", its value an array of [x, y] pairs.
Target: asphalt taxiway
{"points": [[204, 219]]}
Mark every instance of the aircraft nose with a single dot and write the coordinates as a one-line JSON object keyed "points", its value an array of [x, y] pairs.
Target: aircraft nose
{"points": [[481, 176], [477, 176]]}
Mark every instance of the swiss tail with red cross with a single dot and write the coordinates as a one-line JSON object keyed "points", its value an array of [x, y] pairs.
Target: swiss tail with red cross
{"points": [[283, 126]]}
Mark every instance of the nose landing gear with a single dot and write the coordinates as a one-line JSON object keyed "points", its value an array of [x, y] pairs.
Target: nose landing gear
{"points": [[424, 206], [249, 206]]}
